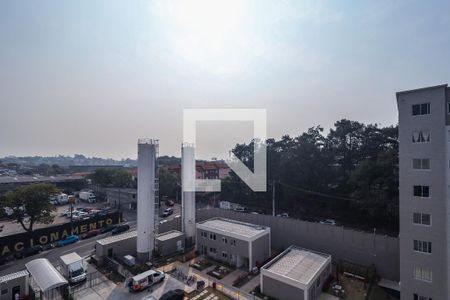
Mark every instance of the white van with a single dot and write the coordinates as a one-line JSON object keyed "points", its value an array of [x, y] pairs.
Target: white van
{"points": [[145, 280]]}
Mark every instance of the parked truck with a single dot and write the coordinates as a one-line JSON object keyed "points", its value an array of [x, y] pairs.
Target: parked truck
{"points": [[73, 268], [59, 199], [87, 196]]}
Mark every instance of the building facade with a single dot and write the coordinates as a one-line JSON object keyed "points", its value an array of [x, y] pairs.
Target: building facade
{"points": [[124, 198], [424, 152], [236, 243]]}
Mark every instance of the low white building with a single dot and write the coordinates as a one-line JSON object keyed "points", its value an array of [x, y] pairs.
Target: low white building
{"points": [[236, 243], [295, 274]]}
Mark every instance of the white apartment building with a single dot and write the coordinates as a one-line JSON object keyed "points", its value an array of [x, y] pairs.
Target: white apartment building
{"points": [[424, 141]]}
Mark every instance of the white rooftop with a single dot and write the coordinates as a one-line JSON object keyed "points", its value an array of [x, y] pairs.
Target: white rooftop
{"points": [[169, 235], [44, 274], [245, 230], [13, 276], [116, 238], [298, 264]]}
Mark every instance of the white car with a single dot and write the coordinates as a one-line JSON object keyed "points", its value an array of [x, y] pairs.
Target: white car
{"points": [[328, 222], [66, 213]]}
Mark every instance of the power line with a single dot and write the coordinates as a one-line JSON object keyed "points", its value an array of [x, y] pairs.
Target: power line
{"points": [[316, 193]]}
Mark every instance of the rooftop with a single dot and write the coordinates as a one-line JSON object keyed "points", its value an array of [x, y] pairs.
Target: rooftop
{"points": [[119, 237], [245, 230], [298, 264], [13, 276], [44, 274], [169, 235], [30, 179], [70, 258], [423, 89]]}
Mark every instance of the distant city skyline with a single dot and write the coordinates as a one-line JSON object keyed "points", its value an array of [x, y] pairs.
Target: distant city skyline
{"points": [[93, 77]]}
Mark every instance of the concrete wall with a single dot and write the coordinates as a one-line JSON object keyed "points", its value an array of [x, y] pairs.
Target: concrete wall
{"points": [[279, 290], [342, 243]]}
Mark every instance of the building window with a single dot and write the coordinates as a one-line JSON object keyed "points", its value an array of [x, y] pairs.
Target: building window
{"points": [[422, 219], [423, 274], [422, 246], [224, 240], [212, 250], [448, 108], [421, 191], [421, 109], [421, 136], [421, 163], [417, 297], [233, 242], [224, 254], [212, 236]]}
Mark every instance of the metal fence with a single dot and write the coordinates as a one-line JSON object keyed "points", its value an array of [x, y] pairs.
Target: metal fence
{"points": [[92, 279]]}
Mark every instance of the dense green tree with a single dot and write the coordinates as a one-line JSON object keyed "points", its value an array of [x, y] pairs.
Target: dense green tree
{"points": [[30, 204], [350, 174], [169, 183]]}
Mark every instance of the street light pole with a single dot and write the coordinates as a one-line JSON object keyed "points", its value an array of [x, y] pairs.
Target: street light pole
{"points": [[273, 197]]}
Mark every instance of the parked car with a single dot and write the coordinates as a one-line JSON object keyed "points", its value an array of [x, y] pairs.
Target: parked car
{"points": [[68, 240], [167, 212], [66, 213], [239, 209], [90, 234], [29, 251], [170, 203], [78, 216], [328, 222], [107, 228], [6, 258], [177, 294], [120, 229], [162, 221]]}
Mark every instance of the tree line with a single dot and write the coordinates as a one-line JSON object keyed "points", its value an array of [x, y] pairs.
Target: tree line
{"points": [[349, 174]]}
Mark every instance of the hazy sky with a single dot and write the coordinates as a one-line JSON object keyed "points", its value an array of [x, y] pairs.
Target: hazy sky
{"points": [[91, 77]]}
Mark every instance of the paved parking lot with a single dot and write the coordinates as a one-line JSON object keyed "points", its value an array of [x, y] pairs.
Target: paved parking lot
{"points": [[12, 227]]}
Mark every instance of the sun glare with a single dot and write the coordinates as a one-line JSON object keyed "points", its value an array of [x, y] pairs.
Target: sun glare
{"points": [[208, 32]]}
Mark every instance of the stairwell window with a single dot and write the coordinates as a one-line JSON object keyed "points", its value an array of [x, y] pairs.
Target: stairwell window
{"points": [[422, 246], [418, 297], [421, 109], [421, 163], [423, 274], [421, 136], [422, 219], [421, 191]]}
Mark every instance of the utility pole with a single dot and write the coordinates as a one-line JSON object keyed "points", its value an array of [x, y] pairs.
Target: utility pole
{"points": [[273, 197]]}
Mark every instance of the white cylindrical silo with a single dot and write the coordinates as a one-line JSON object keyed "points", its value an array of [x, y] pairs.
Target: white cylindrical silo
{"points": [[188, 193], [146, 198]]}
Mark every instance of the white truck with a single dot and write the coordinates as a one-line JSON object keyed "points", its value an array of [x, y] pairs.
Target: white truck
{"points": [[73, 268], [87, 196], [59, 199]]}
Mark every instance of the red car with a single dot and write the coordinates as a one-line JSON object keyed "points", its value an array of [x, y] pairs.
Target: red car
{"points": [[90, 234], [170, 203]]}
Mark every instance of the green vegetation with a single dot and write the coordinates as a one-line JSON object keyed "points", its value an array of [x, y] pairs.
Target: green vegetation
{"points": [[350, 175], [30, 204]]}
